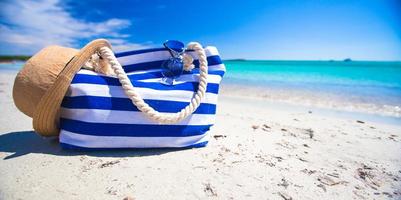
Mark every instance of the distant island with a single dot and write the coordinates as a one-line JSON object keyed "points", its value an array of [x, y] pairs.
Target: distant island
{"points": [[12, 58], [237, 59], [347, 60]]}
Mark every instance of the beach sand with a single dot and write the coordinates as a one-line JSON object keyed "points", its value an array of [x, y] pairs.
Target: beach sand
{"points": [[257, 150]]}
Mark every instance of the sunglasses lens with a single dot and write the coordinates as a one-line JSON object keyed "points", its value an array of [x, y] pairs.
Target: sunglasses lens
{"points": [[172, 68], [175, 45]]}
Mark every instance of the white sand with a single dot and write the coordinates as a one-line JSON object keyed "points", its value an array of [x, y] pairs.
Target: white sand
{"points": [[258, 150]]}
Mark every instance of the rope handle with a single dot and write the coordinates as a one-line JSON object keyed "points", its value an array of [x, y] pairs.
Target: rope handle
{"points": [[132, 93]]}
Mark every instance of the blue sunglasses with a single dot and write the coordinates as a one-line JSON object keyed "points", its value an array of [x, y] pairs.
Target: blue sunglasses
{"points": [[174, 66]]}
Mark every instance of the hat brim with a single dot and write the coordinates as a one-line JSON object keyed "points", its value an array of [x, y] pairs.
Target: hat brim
{"points": [[47, 113]]}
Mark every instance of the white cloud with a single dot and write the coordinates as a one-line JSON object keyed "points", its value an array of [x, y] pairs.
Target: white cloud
{"points": [[28, 26]]}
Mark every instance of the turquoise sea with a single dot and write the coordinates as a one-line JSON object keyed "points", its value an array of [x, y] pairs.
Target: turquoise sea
{"points": [[360, 86], [373, 87], [11, 67]]}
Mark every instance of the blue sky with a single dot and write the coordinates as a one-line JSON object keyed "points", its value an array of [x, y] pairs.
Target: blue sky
{"points": [[277, 30]]}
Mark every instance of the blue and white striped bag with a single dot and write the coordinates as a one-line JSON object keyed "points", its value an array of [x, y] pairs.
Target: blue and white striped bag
{"points": [[96, 113]]}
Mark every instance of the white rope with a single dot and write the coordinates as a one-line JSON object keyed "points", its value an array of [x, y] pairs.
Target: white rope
{"points": [[164, 118]]}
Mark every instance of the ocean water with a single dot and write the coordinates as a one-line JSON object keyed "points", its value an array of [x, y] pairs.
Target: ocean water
{"points": [[367, 87], [373, 87], [11, 67]]}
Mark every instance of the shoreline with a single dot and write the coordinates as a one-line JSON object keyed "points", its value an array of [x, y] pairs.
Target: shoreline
{"points": [[313, 99], [326, 112]]}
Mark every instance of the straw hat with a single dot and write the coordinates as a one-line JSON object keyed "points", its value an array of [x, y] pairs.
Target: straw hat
{"points": [[40, 86]]}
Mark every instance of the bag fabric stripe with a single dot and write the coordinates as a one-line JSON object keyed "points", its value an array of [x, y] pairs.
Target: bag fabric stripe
{"points": [[132, 130], [72, 140], [189, 86], [113, 103], [213, 60], [146, 93], [151, 77], [156, 54], [156, 73], [114, 116], [132, 145]]}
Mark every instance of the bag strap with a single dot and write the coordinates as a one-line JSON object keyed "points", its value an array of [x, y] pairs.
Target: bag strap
{"points": [[132, 93]]}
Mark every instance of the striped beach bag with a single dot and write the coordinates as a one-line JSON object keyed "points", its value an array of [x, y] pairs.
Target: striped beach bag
{"points": [[136, 109]]}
